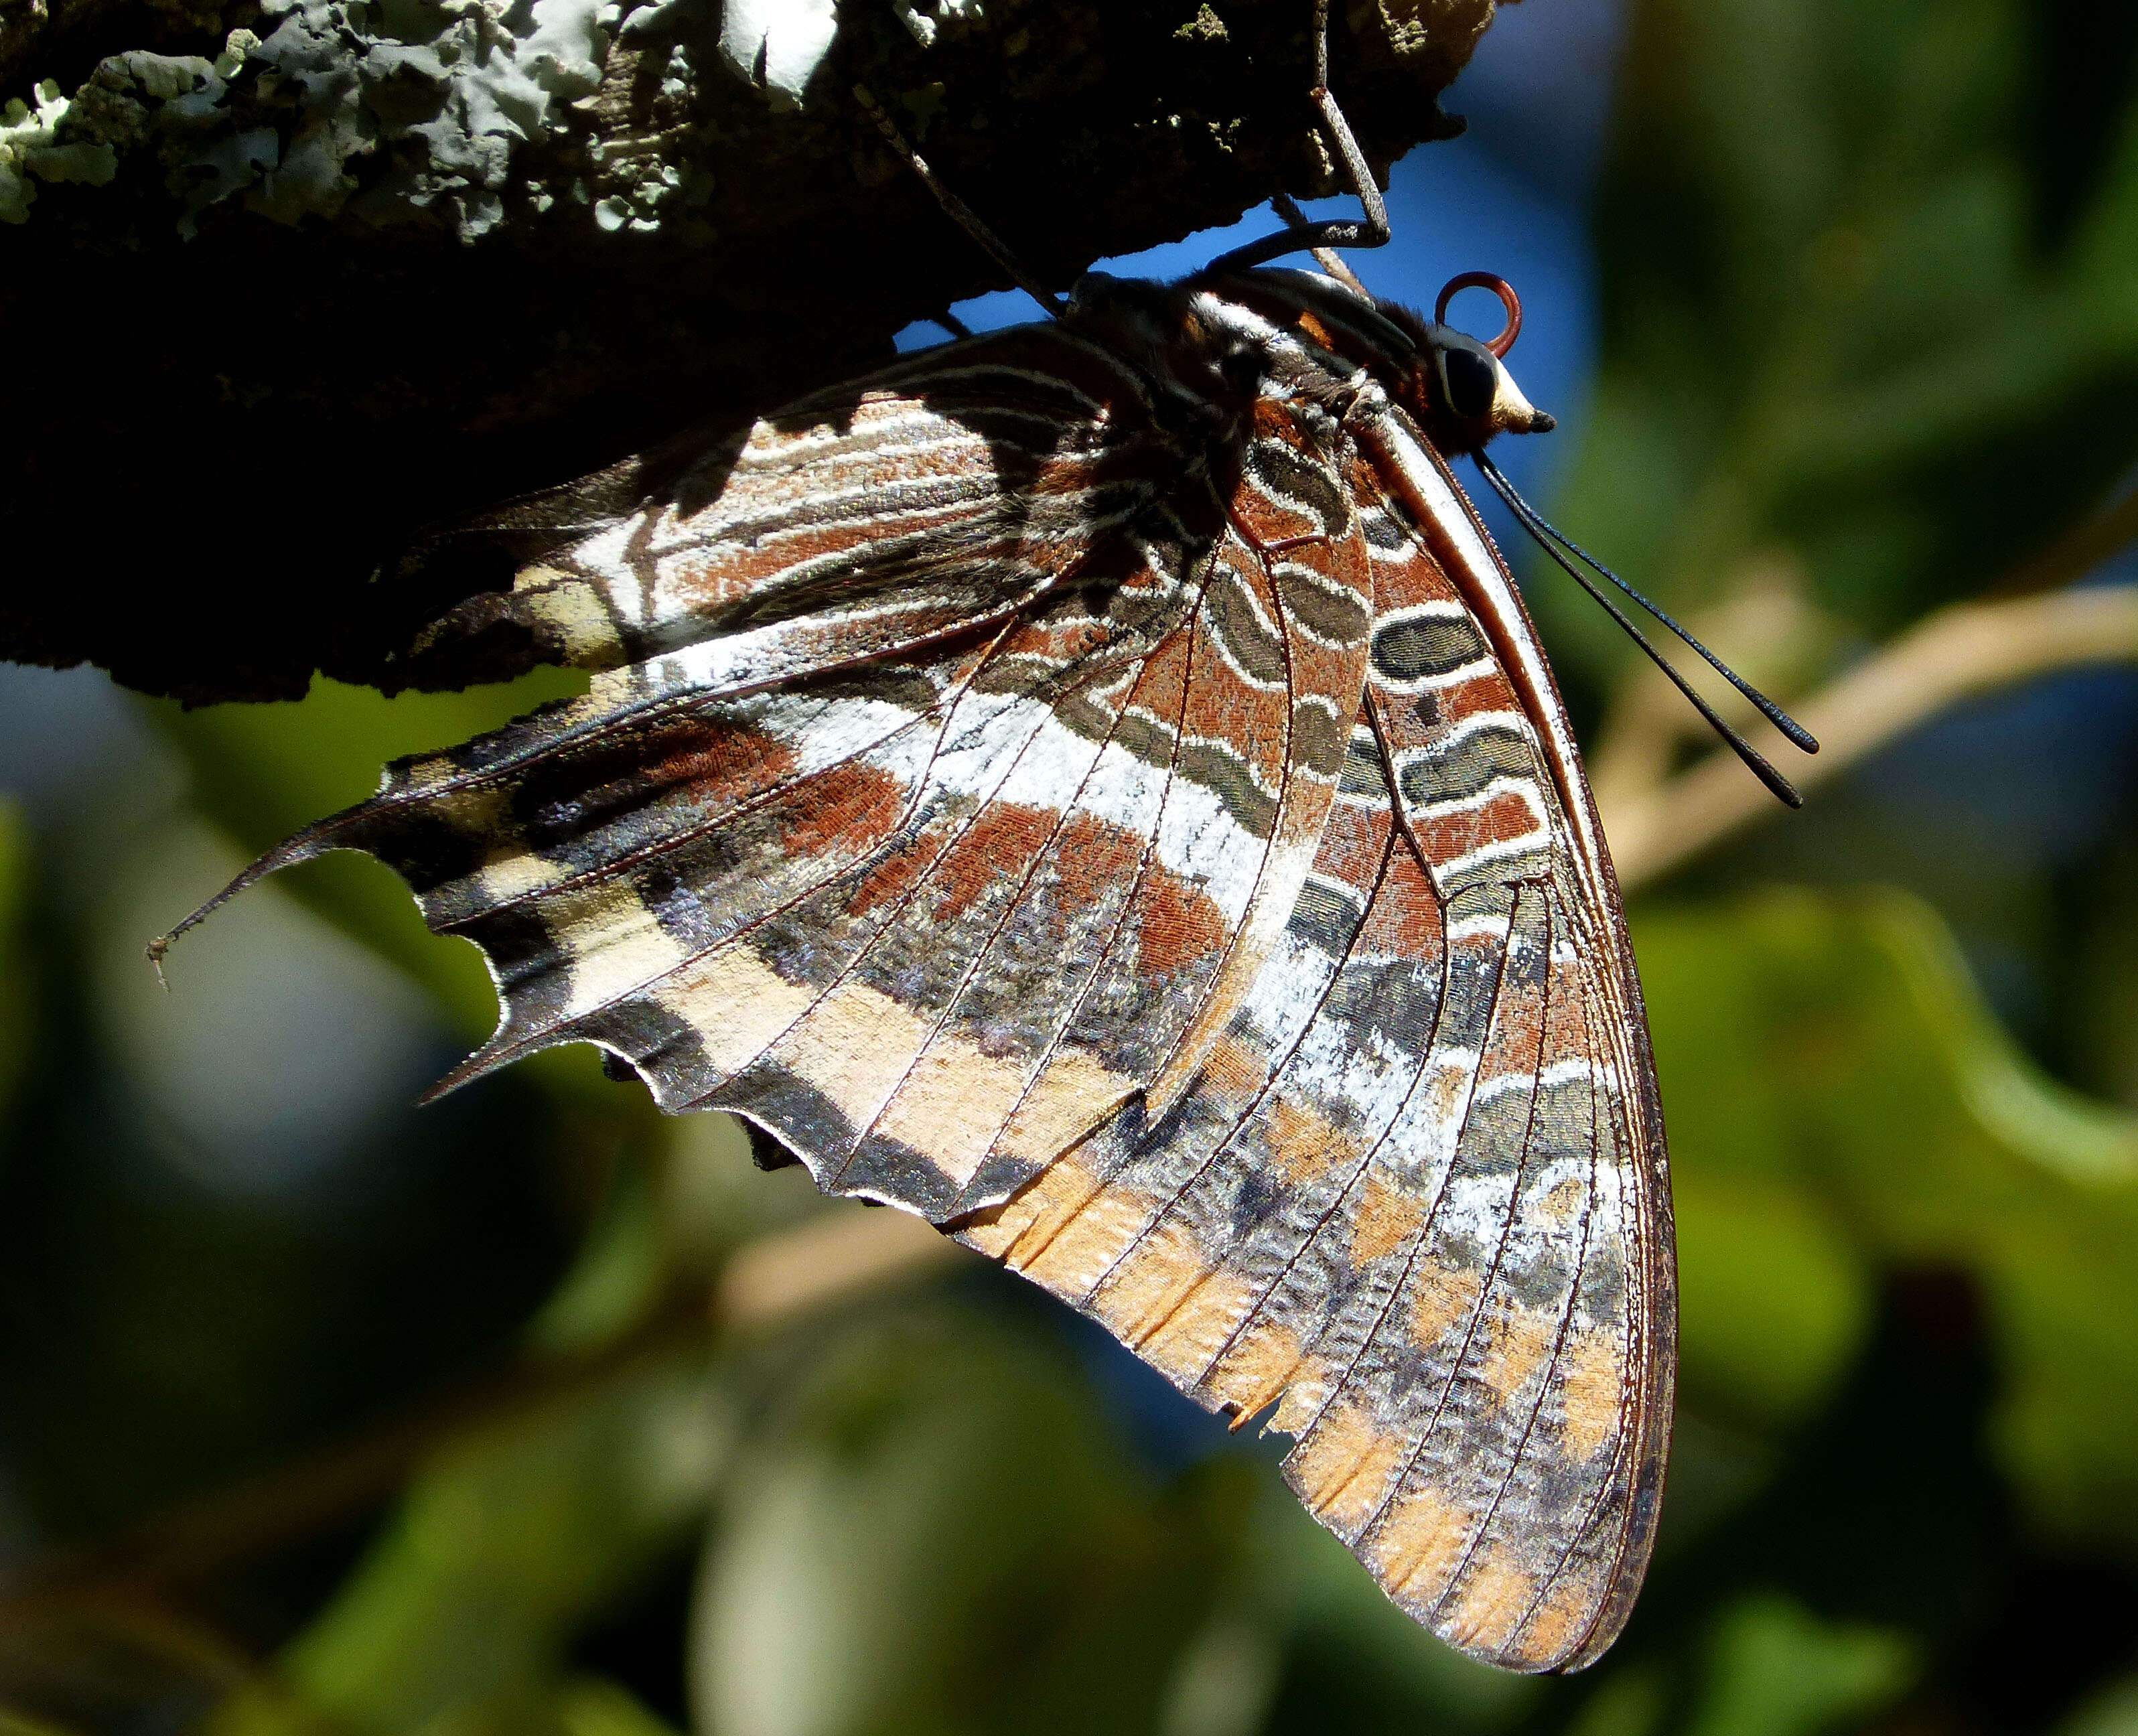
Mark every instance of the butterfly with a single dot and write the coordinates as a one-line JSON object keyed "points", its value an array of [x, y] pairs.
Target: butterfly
{"points": [[1095, 785]]}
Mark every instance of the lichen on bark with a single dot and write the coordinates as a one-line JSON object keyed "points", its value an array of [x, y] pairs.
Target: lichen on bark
{"points": [[305, 275]]}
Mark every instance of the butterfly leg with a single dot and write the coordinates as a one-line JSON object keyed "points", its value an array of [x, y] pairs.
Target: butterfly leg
{"points": [[1328, 259], [1338, 232], [956, 209]]}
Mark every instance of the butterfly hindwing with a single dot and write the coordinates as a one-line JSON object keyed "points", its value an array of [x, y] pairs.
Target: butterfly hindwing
{"points": [[931, 905], [945, 492]]}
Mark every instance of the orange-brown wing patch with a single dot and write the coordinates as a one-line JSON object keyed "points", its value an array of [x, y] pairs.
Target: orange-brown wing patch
{"points": [[928, 904]]}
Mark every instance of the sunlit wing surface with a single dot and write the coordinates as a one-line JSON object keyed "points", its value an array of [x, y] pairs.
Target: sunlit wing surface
{"points": [[1416, 1202], [1127, 820]]}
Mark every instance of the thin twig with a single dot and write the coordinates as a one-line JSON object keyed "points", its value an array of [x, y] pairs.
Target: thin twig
{"points": [[827, 1259], [1967, 649]]}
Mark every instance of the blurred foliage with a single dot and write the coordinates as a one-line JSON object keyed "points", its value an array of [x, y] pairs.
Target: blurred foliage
{"points": [[1867, 288], [1773, 1670], [14, 976], [1840, 1101], [263, 771], [934, 1529], [1870, 340]]}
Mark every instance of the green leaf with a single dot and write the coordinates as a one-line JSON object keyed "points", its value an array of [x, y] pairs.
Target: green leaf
{"points": [[590, 1705], [1776, 1670], [1775, 1300], [1839, 1099], [459, 1619], [510, 1543], [264, 772], [1629, 1700], [2112, 1711]]}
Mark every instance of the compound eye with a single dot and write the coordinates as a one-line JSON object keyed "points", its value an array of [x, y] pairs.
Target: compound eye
{"points": [[1472, 385]]}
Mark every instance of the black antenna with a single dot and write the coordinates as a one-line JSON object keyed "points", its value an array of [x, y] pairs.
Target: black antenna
{"points": [[1540, 527], [1549, 541]]}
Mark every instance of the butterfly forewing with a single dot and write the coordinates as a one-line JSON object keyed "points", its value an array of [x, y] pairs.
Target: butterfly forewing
{"points": [[1536, 1283], [1406, 1202], [1137, 833]]}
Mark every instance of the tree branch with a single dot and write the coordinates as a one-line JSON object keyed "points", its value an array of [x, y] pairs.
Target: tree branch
{"points": [[303, 276], [1967, 649]]}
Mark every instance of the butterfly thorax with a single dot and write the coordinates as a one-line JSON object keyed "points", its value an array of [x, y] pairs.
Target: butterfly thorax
{"points": [[1213, 346]]}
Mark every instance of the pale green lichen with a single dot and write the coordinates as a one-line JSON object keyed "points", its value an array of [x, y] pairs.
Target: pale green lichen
{"points": [[174, 106], [665, 197], [470, 81], [450, 89], [1205, 26], [778, 45], [30, 151]]}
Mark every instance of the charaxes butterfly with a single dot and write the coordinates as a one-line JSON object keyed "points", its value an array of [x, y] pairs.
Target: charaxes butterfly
{"points": [[1095, 786]]}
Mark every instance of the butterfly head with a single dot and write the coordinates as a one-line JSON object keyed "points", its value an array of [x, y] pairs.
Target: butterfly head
{"points": [[1459, 386]]}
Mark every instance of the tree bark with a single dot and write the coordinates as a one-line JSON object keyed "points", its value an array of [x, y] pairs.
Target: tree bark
{"points": [[292, 278]]}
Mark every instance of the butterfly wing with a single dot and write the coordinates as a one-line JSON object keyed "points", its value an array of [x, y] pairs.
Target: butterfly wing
{"points": [[1520, 1513], [1029, 850], [942, 787], [941, 494], [1414, 1207]]}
